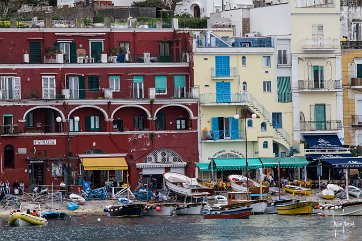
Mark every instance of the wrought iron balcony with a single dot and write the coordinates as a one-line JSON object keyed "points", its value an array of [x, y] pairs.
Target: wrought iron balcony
{"points": [[357, 120], [356, 82], [223, 135], [223, 73], [211, 99], [319, 85], [333, 125], [320, 44]]}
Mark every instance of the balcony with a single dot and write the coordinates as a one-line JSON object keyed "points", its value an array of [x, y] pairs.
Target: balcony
{"points": [[222, 135], [235, 99], [310, 85], [356, 83], [9, 129], [357, 120], [351, 44], [333, 125], [284, 61], [321, 44], [224, 73]]}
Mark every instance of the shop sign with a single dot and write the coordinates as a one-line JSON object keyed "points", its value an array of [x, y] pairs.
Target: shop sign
{"points": [[51, 142]]}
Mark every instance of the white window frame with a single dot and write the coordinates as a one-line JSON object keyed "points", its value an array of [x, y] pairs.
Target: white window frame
{"points": [[73, 85], [49, 88], [65, 49], [73, 125], [115, 83], [136, 86], [267, 86], [16, 87], [266, 61], [282, 57], [181, 124]]}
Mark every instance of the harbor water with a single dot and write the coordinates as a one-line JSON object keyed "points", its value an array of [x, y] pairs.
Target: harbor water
{"points": [[257, 228]]}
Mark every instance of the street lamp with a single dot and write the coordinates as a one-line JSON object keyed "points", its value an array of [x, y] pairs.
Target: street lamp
{"points": [[253, 116]]}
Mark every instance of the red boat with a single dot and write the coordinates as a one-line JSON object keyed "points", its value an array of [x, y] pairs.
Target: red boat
{"points": [[232, 213]]}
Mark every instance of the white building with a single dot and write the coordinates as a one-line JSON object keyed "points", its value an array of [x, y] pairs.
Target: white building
{"points": [[64, 3]]}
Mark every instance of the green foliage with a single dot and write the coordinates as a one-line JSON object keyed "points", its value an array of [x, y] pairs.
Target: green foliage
{"points": [[99, 19], [193, 22], [149, 3]]}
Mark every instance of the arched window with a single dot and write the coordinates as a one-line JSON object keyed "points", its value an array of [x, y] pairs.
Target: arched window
{"points": [[263, 127], [265, 145], [9, 156], [250, 123], [245, 86], [243, 61]]}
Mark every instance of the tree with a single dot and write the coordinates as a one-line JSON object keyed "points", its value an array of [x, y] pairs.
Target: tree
{"points": [[150, 3], [5, 7]]}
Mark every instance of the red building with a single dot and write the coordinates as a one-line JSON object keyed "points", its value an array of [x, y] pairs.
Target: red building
{"points": [[94, 104]]}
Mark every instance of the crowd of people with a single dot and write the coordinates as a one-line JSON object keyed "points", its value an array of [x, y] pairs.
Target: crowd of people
{"points": [[17, 188]]}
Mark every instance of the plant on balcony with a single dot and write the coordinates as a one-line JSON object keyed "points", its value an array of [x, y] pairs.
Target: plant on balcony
{"points": [[34, 94], [114, 51], [51, 53]]}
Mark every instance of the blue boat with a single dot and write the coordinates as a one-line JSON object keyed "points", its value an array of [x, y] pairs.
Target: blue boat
{"points": [[72, 206], [53, 214]]}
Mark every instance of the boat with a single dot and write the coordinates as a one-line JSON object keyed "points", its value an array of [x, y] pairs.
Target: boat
{"points": [[241, 198], [335, 188], [128, 210], [185, 186], [228, 213], [53, 214], [24, 219], [354, 191], [346, 209], [77, 199], [271, 207], [328, 194], [295, 208], [189, 209], [160, 209], [238, 184], [295, 190], [72, 206]]}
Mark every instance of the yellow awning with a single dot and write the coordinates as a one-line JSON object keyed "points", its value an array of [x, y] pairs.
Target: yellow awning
{"points": [[104, 163]]}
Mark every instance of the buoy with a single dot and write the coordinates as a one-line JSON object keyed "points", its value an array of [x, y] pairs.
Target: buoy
{"points": [[98, 219], [84, 216], [318, 206], [323, 214], [158, 208]]}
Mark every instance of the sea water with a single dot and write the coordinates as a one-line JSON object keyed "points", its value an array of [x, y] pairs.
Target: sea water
{"points": [[190, 228]]}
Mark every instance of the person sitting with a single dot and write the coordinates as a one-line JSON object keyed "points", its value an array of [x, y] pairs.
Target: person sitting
{"points": [[34, 213], [121, 57], [28, 211]]}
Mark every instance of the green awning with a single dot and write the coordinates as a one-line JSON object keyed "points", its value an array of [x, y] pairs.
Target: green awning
{"points": [[203, 166], [285, 162], [226, 164]]}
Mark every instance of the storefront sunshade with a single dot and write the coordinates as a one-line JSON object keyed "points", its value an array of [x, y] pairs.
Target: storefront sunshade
{"points": [[322, 141], [285, 162], [104, 163], [226, 164], [319, 156], [343, 162], [203, 166]]}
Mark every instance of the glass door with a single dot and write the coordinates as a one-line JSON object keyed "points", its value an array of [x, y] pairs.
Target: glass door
{"points": [[320, 116]]}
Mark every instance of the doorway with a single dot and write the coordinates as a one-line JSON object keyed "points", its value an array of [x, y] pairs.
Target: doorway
{"points": [[197, 11], [36, 174]]}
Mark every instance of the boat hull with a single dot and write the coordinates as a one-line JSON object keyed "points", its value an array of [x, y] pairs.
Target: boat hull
{"points": [[236, 213], [163, 211], [299, 191], [189, 209], [71, 206], [131, 210], [258, 208], [23, 219], [295, 208], [349, 209]]}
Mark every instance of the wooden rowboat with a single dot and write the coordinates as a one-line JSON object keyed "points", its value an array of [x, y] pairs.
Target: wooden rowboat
{"points": [[295, 190], [295, 208], [233, 213]]}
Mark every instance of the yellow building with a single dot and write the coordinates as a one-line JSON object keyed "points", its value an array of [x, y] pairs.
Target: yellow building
{"points": [[236, 78]]}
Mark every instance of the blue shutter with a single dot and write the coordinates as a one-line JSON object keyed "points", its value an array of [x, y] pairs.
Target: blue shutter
{"points": [[215, 127], [226, 92], [234, 128], [222, 66], [219, 91]]}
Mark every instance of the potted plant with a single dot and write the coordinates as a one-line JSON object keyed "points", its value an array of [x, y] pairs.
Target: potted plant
{"points": [[51, 53]]}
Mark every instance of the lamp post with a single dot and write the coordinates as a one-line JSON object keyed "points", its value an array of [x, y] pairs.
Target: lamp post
{"points": [[67, 129], [253, 116]]}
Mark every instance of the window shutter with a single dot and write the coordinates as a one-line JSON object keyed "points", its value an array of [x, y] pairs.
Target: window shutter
{"points": [[57, 46], [52, 88], [215, 127], [179, 81], [17, 88], [73, 52], [219, 91], [137, 79], [234, 128], [227, 92], [161, 84], [88, 123]]}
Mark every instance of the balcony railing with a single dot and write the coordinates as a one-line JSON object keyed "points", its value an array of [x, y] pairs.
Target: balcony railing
{"points": [[321, 125], [222, 135], [351, 44], [356, 82], [211, 98], [319, 85], [321, 44], [223, 73], [356, 120], [284, 60], [9, 129]]}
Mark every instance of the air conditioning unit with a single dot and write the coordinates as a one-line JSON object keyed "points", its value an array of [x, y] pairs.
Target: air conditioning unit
{"points": [[152, 93], [147, 57], [108, 94]]}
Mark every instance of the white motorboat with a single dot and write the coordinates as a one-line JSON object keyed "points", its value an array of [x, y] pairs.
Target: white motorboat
{"points": [[184, 185], [189, 209], [160, 209], [354, 191], [77, 198], [328, 194], [334, 188], [346, 209], [238, 183]]}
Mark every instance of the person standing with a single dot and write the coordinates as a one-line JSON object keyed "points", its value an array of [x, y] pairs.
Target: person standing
{"points": [[22, 187], [7, 187], [2, 186], [271, 180], [16, 187]]}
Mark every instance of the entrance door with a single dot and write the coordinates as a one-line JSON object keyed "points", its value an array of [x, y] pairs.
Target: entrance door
{"points": [[76, 85], [277, 120], [36, 174], [96, 48], [320, 116], [34, 52], [197, 11]]}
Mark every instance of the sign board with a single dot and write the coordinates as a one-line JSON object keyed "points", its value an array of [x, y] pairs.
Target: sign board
{"points": [[51, 142], [319, 171]]}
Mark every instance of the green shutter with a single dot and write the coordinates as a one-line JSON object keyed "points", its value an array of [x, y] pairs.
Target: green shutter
{"points": [[137, 79], [359, 70], [57, 46], [88, 123], [284, 89], [35, 52], [161, 83], [179, 81], [73, 52], [93, 83], [81, 87]]}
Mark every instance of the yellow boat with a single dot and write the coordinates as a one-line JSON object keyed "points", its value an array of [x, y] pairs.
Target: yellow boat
{"points": [[24, 219], [295, 208], [295, 190]]}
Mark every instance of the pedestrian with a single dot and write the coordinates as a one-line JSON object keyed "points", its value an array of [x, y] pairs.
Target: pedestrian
{"points": [[7, 187], [271, 180], [16, 187], [2, 186], [22, 187]]}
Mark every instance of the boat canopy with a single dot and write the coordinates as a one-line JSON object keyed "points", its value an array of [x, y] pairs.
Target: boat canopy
{"points": [[285, 162], [226, 164]]}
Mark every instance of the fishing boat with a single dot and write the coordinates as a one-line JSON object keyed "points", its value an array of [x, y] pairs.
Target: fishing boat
{"points": [[354, 191], [271, 207], [128, 210], [53, 215], [77, 199], [186, 186], [295, 208], [189, 209], [24, 219], [241, 198], [328, 194], [238, 184], [72, 206], [295, 190], [160, 209], [346, 209], [228, 213]]}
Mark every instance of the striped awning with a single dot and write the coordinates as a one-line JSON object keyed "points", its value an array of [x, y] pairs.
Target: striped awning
{"points": [[284, 89]]}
